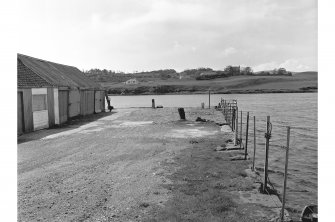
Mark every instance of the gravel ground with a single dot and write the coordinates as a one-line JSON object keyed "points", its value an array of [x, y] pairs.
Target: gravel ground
{"points": [[133, 165]]}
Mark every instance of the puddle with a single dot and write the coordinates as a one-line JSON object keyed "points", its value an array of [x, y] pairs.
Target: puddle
{"points": [[76, 130], [91, 130], [137, 123], [193, 133]]}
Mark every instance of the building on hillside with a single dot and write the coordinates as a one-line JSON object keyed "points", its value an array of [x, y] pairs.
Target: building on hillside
{"points": [[50, 93], [131, 82], [236, 69]]}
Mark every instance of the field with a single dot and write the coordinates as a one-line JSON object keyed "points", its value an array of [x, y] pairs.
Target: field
{"points": [[300, 82]]}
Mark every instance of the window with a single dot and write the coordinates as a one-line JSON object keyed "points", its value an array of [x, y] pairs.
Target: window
{"points": [[39, 102]]}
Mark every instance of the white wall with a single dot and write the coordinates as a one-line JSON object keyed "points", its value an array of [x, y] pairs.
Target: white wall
{"points": [[41, 117]]}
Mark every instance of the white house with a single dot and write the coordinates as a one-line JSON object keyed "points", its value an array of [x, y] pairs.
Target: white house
{"points": [[131, 82]]}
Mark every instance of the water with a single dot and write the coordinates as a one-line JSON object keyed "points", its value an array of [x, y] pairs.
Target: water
{"points": [[298, 110]]}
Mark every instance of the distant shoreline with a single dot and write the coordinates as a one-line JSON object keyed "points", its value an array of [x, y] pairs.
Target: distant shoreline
{"points": [[222, 92]]}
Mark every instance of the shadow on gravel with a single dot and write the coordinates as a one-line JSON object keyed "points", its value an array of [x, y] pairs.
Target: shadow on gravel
{"points": [[70, 125]]}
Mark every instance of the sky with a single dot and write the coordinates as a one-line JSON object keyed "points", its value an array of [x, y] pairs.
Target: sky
{"points": [[143, 35]]}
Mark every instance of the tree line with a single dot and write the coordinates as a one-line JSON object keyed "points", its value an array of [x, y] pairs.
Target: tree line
{"points": [[202, 73]]}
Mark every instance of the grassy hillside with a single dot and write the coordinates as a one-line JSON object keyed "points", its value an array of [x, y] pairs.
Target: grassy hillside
{"points": [[299, 82]]}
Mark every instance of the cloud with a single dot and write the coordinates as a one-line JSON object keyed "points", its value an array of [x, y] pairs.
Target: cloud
{"points": [[149, 34], [228, 51], [290, 65]]}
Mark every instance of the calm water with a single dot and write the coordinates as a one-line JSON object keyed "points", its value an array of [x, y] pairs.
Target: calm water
{"points": [[296, 110]]}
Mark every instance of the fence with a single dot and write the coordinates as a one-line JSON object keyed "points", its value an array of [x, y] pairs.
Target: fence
{"points": [[233, 118]]}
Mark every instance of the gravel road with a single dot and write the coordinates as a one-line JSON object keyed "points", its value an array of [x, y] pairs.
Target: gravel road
{"points": [[125, 166]]}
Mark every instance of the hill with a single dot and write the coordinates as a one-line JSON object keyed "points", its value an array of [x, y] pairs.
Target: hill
{"points": [[188, 82]]}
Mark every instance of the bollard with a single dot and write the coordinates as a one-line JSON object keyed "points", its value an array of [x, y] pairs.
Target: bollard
{"points": [[181, 113], [285, 175], [246, 138], [153, 104]]}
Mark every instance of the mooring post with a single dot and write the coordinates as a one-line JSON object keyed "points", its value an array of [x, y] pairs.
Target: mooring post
{"points": [[267, 137], [224, 111], [236, 126], [229, 115], [241, 131], [209, 99], [181, 113], [246, 138], [285, 175], [233, 118], [153, 103], [253, 159]]}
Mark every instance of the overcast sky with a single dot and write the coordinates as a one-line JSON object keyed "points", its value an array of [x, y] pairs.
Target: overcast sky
{"points": [[139, 35]]}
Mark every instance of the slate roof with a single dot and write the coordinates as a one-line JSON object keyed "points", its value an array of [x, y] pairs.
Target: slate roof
{"points": [[28, 79], [57, 74]]}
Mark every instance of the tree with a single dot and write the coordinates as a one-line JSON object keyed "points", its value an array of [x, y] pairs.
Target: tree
{"points": [[281, 71], [247, 71], [229, 70]]}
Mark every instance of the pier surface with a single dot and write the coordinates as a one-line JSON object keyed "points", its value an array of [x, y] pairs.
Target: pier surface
{"points": [[137, 165]]}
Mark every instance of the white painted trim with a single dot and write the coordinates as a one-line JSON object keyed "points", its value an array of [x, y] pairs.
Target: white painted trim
{"points": [[35, 91], [56, 106]]}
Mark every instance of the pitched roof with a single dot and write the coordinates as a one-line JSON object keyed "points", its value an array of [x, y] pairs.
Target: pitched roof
{"points": [[58, 74], [28, 79]]}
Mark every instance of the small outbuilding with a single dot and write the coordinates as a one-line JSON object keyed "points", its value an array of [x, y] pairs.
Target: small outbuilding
{"points": [[131, 82], [50, 93]]}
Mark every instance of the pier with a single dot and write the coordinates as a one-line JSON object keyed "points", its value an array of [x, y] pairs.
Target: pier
{"points": [[144, 164]]}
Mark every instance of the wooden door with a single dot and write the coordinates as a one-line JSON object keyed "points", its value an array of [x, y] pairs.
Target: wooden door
{"points": [[74, 103], [102, 97], [97, 103], [20, 123], [63, 100]]}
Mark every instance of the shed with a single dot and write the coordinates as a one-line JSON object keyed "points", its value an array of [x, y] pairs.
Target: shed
{"points": [[66, 88]]}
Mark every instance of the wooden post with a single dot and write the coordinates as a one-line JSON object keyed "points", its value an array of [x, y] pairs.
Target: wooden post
{"points": [[285, 175], [224, 111], [253, 159], [236, 126], [233, 119], [241, 131], [181, 113], [266, 154], [153, 104], [209, 99], [246, 138]]}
